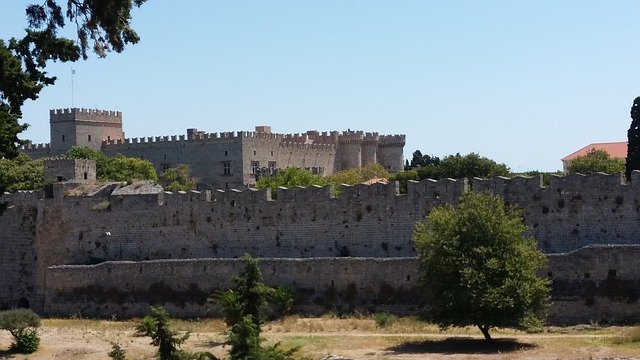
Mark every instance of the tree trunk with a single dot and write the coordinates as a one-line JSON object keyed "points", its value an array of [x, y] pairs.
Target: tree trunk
{"points": [[485, 332]]}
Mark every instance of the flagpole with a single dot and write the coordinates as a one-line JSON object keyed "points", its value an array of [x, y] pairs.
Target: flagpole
{"points": [[73, 72]]}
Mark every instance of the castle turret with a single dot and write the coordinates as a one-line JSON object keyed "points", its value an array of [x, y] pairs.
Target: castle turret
{"points": [[390, 152], [349, 153], [370, 149], [83, 127]]}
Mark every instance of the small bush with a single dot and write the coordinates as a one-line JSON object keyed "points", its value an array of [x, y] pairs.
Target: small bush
{"points": [[145, 327], [116, 353], [26, 342], [384, 319], [22, 324], [231, 304], [283, 297]]}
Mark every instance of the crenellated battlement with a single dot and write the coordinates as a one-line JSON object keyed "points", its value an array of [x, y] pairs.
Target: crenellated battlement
{"points": [[82, 114], [392, 140], [36, 147]]}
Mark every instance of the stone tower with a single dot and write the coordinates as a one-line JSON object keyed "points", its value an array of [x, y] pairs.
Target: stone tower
{"points": [[83, 127], [390, 152]]}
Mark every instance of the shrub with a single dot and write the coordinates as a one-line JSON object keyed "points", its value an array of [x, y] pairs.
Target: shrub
{"points": [[283, 297], [384, 319], [26, 342], [116, 353], [231, 304], [146, 326], [22, 324]]}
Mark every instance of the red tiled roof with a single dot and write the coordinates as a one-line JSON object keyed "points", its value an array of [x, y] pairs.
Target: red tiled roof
{"points": [[615, 150]]}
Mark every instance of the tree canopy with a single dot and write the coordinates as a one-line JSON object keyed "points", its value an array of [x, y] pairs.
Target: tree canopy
{"points": [[633, 136], [105, 24], [463, 166], [21, 173], [117, 168], [419, 160], [23, 60], [477, 266], [178, 178], [291, 177], [596, 161]]}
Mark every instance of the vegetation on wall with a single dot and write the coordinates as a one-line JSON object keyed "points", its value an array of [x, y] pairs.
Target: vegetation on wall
{"points": [[596, 161], [21, 173], [178, 178], [117, 168], [478, 267], [452, 166], [291, 177]]}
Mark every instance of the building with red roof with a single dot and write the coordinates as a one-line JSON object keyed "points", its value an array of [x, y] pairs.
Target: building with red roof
{"points": [[614, 149]]}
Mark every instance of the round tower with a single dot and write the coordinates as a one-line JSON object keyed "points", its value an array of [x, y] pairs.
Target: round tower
{"points": [[390, 152], [370, 149], [349, 153]]}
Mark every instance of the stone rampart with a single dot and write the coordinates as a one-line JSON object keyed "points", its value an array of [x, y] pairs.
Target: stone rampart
{"points": [[134, 223], [593, 284]]}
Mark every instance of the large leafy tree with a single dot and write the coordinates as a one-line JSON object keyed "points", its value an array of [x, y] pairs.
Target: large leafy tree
{"points": [[21, 173], [103, 26], [633, 135], [419, 160], [463, 166], [478, 266], [596, 161]]}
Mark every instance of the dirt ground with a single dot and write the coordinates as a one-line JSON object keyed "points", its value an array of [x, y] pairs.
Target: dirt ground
{"points": [[335, 339]]}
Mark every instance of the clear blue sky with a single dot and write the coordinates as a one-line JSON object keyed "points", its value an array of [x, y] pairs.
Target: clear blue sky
{"points": [[524, 83]]}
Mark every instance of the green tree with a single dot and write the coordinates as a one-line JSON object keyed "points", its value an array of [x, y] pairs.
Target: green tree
{"points": [[463, 166], [596, 161], [167, 340], [106, 24], [248, 301], [178, 178], [403, 178], [22, 324], [419, 160], [117, 168], [633, 136], [21, 173], [289, 178], [478, 267]]}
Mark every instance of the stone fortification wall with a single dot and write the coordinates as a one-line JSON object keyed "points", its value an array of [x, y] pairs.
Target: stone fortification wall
{"points": [[365, 221], [37, 151], [127, 288], [18, 256], [593, 284], [575, 210], [206, 155]]}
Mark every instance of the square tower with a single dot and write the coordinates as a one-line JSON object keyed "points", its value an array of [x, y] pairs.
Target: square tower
{"points": [[77, 170], [83, 127]]}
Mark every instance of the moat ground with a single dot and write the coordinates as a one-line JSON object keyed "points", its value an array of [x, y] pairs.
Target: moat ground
{"points": [[351, 338]]}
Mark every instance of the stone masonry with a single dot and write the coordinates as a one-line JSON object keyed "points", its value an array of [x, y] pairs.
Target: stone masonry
{"points": [[112, 249], [226, 160]]}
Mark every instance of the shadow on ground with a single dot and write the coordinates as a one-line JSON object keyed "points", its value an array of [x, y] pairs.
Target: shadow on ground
{"points": [[458, 345], [7, 354]]}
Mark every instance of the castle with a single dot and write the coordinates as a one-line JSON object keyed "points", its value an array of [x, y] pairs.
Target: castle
{"points": [[108, 249], [227, 160]]}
